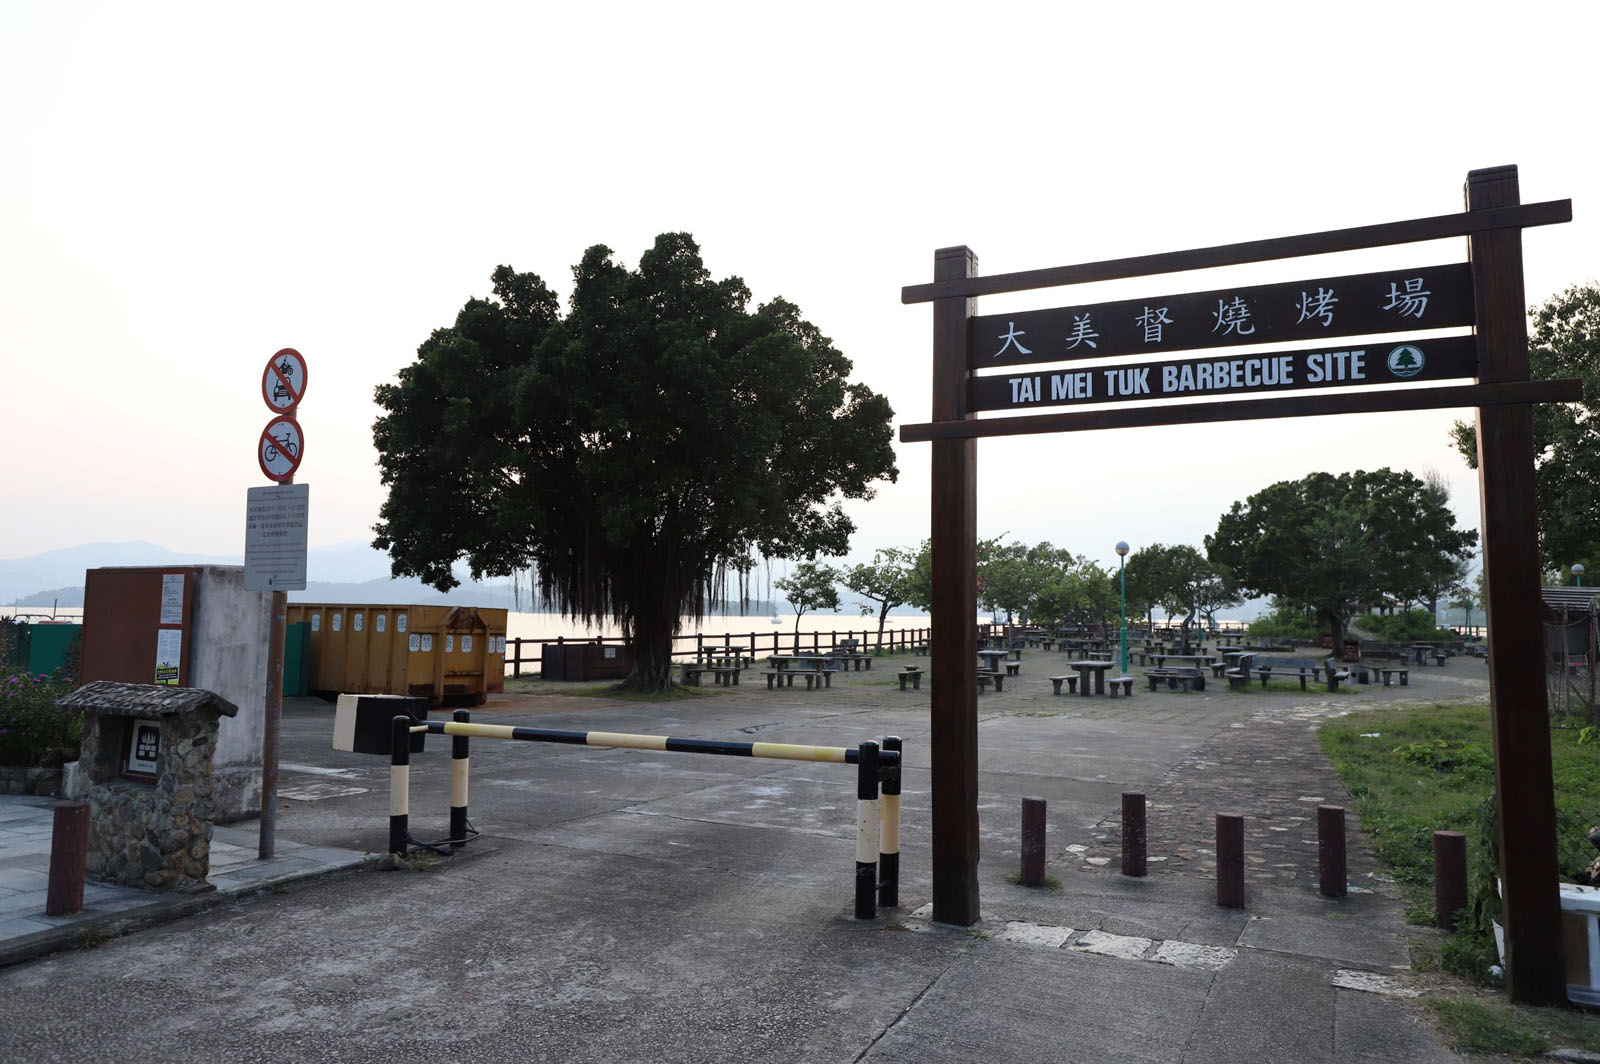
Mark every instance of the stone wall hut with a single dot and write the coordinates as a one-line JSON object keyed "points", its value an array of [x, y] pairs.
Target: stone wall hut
{"points": [[147, 775]]}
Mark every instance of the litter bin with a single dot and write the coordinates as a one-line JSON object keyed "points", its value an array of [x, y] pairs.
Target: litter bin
{"points": [[1352, 650]]}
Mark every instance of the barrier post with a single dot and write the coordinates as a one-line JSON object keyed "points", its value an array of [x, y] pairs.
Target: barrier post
{"points": [[1033, 834], [1230, 860], [458, 783], [1449, 877], [867, 831], [1332, 869], [69, 856], [399, 782], [889, 844], [1134, 834]]}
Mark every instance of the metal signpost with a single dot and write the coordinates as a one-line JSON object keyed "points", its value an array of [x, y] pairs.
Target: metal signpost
{"points": [[275, 551], [974, 360]]}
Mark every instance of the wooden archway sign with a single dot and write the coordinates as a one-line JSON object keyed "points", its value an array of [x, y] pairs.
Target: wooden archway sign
{"points": [[1487, 294]]}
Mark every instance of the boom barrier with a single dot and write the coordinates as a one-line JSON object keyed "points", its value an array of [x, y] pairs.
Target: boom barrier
{"points": [[877, 870]]}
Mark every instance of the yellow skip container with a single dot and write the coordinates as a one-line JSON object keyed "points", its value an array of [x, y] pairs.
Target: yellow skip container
{"points": [[453, 655]]}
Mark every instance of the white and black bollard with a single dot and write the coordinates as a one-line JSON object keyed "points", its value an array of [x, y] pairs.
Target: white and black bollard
{"points": [[399, 783], [889, 844], [458, 783], [867, 832]]}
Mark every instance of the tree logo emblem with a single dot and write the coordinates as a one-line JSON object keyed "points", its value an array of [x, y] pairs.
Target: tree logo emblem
{"points": [[1406, 361]]}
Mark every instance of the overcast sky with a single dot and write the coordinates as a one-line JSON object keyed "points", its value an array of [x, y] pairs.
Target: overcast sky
{"points": [[187, 188]]}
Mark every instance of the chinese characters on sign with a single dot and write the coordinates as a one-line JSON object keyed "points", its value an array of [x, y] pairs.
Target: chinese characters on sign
{"points": [[1431, 297], [275, 536]]}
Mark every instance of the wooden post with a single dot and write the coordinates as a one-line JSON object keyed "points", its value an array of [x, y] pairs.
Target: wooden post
{"points": [[953, 669], [69, 857], [1519, 715]]}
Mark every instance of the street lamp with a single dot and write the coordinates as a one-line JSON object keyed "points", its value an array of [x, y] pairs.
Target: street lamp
{"points": [[1577, 571], [1122, 574]]}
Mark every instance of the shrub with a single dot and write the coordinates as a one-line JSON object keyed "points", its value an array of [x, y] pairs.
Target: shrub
{"points": [[33, 729], [1405, 627], [1284, 622]]}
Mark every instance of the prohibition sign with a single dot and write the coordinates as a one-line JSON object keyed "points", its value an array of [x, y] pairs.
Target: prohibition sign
{"points": [[280, 448], [283, 382]]}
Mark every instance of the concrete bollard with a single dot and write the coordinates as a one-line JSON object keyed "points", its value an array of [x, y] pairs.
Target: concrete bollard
{"points": [[1331, 866], [69, 856], [1133, 834], [1230, 860], [1033, 835], [1449, 877]]}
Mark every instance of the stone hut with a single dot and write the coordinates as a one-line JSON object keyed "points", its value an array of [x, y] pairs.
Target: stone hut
{"points": [[147, 775]]}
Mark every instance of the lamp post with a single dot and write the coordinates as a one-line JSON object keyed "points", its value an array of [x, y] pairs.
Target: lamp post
{"points": [[1577, 571], [1122, 575]]}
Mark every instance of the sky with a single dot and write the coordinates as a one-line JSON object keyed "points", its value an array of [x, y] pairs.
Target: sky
{"points": [[188, 188]]}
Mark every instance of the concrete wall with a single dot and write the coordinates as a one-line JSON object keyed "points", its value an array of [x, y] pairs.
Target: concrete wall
{"points": [[228, 656]]}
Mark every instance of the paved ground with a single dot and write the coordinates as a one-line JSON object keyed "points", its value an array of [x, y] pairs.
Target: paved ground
{"points": [[627, 906]]}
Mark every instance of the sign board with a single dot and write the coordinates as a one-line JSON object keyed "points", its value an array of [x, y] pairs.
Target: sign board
{"points": [[1235, 373], [283, 382], [280, 448], [275, 524]]}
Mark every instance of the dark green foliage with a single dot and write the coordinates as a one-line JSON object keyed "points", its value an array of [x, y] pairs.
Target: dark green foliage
{"points": [[631, 453], [33, 729], [1285, 622], [1564, 342], [1330, 541], [1416, 771], [1408, 626]]}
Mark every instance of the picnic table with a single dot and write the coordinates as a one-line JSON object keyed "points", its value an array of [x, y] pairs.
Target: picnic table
{"points": [[1418, 650], [993, 658], [1098, 668]]}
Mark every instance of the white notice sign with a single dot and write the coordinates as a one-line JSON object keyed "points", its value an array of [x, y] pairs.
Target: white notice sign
{"points": [[171, 598], [275, 524]]}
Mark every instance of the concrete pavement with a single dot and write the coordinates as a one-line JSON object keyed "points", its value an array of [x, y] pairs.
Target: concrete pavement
{"points": [[625, 905]]}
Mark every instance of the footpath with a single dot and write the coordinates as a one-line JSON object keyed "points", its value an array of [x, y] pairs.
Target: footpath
{"points": [[624, 905]]}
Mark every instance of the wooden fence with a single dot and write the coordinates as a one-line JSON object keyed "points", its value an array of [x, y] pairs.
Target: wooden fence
{"points": [[693, 647]]}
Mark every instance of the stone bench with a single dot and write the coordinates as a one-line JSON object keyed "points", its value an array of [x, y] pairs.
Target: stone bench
{"points": [[1188, 679], [779, 677], [1013, 668], [1238, 680], [726, 675], [1121, 685], [1389, 674], [912, 674], [1070, 681]]}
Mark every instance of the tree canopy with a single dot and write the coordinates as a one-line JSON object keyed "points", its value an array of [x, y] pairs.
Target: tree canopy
{"points": [[884, 581], [1564, 342], [810, 587], [629, 453], [1331, 542]]}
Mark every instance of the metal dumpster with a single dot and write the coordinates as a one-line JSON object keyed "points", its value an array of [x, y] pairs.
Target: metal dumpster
{"points": [[449, 654]]}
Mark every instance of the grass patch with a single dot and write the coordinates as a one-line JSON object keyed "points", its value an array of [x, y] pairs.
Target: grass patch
{"points": [[1051, 882], [1492, 1025], [1413, 771]]}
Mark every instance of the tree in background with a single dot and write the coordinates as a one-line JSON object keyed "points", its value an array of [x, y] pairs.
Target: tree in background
{"points": [[1330, 542], [1181, 581], [630, 452], [809, 587], [885, 580], [1564, 342]]}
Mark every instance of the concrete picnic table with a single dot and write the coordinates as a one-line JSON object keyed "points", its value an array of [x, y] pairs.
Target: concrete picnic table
{"points": [[993, 658], [1419, 650], [1085, 667], [725, 653]]}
